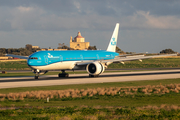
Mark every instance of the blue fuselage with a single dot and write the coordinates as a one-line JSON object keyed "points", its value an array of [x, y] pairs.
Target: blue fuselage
{"points": [[43, 58]]}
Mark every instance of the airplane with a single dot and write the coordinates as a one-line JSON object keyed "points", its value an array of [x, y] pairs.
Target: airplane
{"points": [[93, 61]]}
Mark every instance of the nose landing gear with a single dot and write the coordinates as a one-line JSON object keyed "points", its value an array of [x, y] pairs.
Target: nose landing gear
{"points": [[36, 77], [38, 72]]}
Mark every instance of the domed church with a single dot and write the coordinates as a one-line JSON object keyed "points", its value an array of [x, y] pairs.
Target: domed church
{"points": [[79, 43]]}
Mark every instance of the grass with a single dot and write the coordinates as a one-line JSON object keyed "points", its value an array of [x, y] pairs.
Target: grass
{"points": [[104, 101], [148, 63], [123, 106], [155, 106], [135, 106], [32, 74], [91, 86], [92, 113], [125, 100], [20, 74], [16, 74], [169, 62], [14, 65]]}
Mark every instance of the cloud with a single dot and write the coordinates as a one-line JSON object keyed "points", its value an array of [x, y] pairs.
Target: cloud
{"points": [[24, 9], [77, 5], [25, 18], [81, 14], [144, 20], [34, 21], [162, 22], [37, 18]]}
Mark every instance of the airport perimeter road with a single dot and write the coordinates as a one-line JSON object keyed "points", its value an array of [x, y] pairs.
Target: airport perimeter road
{"points": [[12, 82]]}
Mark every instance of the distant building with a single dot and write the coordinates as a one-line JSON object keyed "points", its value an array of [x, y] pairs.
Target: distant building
{"points": [[45, 49], [60, 49], [79, 42], [4, 58], [35, 47]]}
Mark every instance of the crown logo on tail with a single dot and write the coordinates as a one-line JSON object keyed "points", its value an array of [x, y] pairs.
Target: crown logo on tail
{"points": [[113, 42]]}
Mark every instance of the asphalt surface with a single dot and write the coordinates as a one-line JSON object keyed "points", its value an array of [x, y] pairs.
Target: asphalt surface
{"points": [[48, 80], [117, 69]]}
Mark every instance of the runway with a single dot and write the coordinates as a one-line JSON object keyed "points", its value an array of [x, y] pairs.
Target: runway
{"points": [[48, 80]]}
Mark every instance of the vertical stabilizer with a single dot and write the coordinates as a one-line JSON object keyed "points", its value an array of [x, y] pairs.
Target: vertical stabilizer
{"points": [[113, 41]]}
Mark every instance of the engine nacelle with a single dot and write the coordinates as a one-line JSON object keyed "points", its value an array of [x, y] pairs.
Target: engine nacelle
{"points": [[95, 68]]}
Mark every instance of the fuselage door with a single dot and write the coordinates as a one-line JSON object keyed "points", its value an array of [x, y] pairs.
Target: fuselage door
{"points": [[112, 56], [61, 58], [81, 57], [97, 56], [46, 59]]}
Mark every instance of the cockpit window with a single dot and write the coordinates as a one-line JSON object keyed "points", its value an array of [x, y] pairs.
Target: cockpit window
{"points": [[35, 58]]}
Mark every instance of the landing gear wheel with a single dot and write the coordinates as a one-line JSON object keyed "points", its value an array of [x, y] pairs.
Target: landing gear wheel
{"points": [[63, 74], [36, 77], [37, 73], [93, 75]]}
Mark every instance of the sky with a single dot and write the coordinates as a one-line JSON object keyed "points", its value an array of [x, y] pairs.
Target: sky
{"points": [[145, 25]]}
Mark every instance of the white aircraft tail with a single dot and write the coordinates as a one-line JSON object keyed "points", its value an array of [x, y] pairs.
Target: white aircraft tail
{"points": [[113, 41]]}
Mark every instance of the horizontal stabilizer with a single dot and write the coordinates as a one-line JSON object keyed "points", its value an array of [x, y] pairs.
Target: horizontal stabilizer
{"points": [[17, 56]]}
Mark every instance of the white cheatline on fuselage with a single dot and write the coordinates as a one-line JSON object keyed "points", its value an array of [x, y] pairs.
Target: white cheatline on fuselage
{"points": [[66, 65]]}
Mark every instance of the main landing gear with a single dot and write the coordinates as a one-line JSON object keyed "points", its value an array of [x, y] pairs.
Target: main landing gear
{"points": [[63, 74], [93, 75]]}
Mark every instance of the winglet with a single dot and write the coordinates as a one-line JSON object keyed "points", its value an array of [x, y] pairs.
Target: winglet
{"points": [[113, 41]]}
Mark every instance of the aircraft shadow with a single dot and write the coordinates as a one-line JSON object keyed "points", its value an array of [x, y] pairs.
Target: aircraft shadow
{"points": [[80, 77]]}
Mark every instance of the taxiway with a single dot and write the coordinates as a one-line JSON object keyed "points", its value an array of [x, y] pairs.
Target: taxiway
{"points": [[48, 80]]}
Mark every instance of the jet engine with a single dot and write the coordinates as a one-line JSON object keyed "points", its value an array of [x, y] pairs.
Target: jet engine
{"points": [[95, 68]]}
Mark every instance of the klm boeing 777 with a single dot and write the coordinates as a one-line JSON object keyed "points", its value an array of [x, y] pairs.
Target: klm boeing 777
{"points": [[94, 61]]}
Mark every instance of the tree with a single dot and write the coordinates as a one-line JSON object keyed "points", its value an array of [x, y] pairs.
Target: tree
{"points": [[118, 50], [92, 48], [63, 46], [2, 51], [169, 51], [29, 47], [35, 49]]}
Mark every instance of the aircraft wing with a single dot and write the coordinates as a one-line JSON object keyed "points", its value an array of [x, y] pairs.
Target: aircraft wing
{"points": [[138, 57], [120, 59], [136, 54], [17, 56]]}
